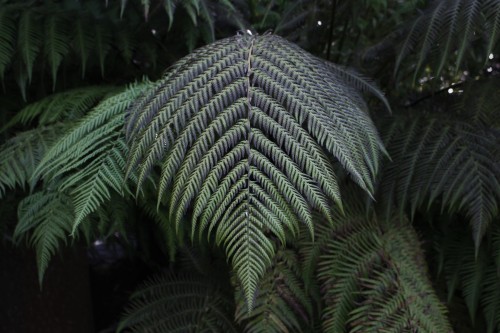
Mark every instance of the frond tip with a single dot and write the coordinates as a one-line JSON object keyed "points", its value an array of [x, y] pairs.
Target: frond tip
{"points": [[245, 130]]}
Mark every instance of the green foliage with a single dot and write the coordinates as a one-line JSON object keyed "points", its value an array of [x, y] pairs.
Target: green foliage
{"points": [[438, 159], [183, 302], [264, 156], [477, 276], [239, 127], [49, 215], [21, 155], [98, 165], [65, 106], [281, 305], [373, 278], [451, 24]]}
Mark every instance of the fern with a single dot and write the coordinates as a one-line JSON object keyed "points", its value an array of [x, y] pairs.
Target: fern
{"points": [[240, 127], [178, 303], [281, 304], [21, 155], [57, 43], [438, 159], [373, 278], [7, 39], [49, 214], [29, 39], [97, 163], [68, 106], [452, 23], [474, 273]]}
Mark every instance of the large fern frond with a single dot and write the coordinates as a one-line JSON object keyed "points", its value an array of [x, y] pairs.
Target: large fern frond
{"points": [[178, 303], [91, 156], [374, 278], [245, 129]]}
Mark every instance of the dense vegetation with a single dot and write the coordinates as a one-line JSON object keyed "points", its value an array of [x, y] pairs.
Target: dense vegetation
{"points": [[277, 166]]}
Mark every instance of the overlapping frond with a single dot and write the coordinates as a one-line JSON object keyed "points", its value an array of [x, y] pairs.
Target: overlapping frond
{"points": [[65, 106], [450, 26], [439, 159], [281, 304], [91, 156], [48, 215], [374, 279], [20, 155], [179, 303], [39, 38], [245, 130], [475, 273]]}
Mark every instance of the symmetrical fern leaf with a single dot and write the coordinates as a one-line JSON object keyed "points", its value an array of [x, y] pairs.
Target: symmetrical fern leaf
{"points": [[91, 156], [374, 279], [451, 24], [281, 304], [179, 303], [453, 161], [245, 130]]}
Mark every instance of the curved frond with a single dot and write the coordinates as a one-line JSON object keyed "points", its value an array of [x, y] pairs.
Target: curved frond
{"points": [[21, 155], [178, 303], [453, 161], [29, 39], [373, 278], [245, 130], [281, 304], [7, 38], [91, 156], [56, 44], [49, 215], [451, 25], [65, 106], [474, 273]]}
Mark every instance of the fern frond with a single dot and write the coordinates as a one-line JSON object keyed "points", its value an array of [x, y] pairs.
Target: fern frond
{"points": [[281, 305], [474, 273], [21, 155], [56, 44], [374, 279], [492, 10], [245, 128], [491, 299], [91, 156], [7, 38], [69, 105], [29, 39], [454, 24], [49, 214], [442, 159], [178, 303], [102, 44], [82, 42]]}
